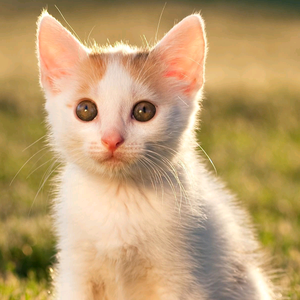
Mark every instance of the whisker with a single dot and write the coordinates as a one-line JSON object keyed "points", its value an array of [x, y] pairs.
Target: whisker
{"points": [[44, 182], [34, 143], [68, 23], [88, 38], [35, 163], [160, 17], [208, 158], [170, 166], [176, 153], [166, 176], [144, 164], [144, 39], [182, 101], [39, 167], [26, 163], [157, 177], [48, 170]]}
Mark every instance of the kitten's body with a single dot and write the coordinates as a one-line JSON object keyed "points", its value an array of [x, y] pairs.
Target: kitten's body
{"points": [[150, 223], [125, 239]]}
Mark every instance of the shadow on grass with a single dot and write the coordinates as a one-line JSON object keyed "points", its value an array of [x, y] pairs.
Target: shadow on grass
{"points": [[24, 260]]}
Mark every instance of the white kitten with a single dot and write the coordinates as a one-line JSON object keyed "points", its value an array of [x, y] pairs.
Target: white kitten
{"points": [[138, 216]]}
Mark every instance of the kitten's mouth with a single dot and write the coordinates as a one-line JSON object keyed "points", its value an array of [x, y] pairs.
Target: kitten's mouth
{"points": [[116, 160], [111, 158]]}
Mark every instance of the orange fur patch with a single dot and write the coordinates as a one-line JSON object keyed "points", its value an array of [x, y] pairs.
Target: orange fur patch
{"points": [[92, 70], [148, 68]]}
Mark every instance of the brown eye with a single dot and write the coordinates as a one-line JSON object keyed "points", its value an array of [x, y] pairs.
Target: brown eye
{"points": [[144, 111], [86, 110]]}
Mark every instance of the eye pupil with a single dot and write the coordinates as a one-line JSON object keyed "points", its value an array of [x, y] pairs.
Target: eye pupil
{"points": [[144, 111], [86, 110]]}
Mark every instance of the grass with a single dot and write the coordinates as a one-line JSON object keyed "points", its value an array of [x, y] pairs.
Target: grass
{"points": [[14, 288], [249, 128]]}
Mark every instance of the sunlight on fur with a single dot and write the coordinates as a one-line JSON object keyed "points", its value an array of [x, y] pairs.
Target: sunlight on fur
{"points": [[137, 214]]}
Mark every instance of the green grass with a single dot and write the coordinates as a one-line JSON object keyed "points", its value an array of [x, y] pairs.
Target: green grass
{"points": [[256, 149], [14, 288], [249, 128]]}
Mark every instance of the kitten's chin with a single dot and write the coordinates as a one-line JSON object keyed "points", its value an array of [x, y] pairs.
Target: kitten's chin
{"points": [[114, 165], [113, 162]]}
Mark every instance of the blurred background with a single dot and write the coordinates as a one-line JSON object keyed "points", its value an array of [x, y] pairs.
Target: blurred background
{"points": [[249, 128]]}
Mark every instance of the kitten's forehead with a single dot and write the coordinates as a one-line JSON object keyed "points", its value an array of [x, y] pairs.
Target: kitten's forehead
{"points": [[116, 85], [115, 78], [120, 72]]}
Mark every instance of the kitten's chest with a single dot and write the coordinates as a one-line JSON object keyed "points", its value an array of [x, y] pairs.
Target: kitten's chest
{"points": [[105, 214]]}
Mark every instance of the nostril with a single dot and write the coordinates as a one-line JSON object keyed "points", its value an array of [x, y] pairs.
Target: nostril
{"points": [[104, 142], [119, 143]]}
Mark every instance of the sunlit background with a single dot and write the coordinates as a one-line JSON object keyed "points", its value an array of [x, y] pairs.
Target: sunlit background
{"points": [[249, 128]]}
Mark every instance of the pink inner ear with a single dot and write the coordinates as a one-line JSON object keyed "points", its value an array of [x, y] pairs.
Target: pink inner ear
{"points": [[49, 58], [190, 73], [183, 50], [59, 52], [175, 71]]}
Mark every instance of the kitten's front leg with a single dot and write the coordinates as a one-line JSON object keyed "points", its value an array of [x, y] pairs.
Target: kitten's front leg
{"points": [[73, 281]]}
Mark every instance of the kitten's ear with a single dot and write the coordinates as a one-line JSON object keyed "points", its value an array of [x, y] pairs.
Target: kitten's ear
{"points": [[183, 50], [58, 51]]}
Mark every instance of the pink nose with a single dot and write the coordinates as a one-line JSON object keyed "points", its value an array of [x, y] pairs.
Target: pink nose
{"points": [[112, 140]]}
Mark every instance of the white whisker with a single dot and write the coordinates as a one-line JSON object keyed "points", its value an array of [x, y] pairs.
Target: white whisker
{"points": [[77, 36], [39, 167], [44, 181], [26, 163], [208, 158], [160, 17], [34, 143]]}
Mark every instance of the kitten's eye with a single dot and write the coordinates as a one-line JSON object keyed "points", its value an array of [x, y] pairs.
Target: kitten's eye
{"points": [[86, 110], [144, 111]]}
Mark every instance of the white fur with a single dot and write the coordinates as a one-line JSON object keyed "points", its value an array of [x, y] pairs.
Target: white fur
{"points": [[158, 226]]}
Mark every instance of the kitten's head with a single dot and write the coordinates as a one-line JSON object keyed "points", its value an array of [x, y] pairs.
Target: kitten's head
{"points": [[121, 110]]}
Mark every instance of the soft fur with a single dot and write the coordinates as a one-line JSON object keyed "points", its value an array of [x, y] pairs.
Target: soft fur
{"points": [[150, 223]]}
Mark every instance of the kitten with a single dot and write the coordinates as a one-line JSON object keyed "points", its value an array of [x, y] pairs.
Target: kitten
{"points": [[138, 216]]}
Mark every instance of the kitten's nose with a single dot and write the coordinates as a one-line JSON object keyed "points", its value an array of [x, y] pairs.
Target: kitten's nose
{"points": [[112, 140]]}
